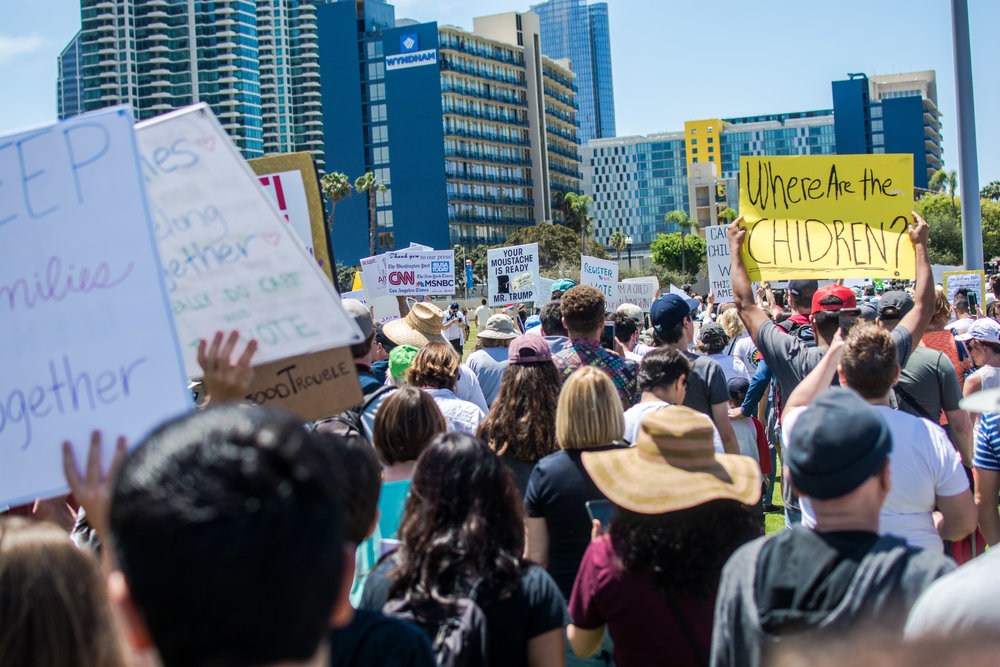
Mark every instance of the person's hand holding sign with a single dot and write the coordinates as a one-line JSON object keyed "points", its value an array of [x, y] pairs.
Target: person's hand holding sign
{"points": [[743, 296], [224, 380]]}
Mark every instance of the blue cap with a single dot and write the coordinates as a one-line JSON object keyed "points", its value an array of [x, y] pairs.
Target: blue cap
{"points": [[670, 310], [562, 285], [532, 321]]}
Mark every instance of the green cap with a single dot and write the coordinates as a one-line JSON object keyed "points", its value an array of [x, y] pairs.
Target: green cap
{"points": [[400, 359]]}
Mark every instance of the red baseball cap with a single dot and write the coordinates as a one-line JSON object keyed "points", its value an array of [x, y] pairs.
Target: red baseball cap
{"points": [[845, 294]]}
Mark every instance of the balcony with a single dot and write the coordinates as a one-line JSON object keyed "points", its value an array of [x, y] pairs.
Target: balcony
{"points": [[483, 178], [488, 199], [484, 95], [484, 157], [564, 152], [451, 66], [562, 115], [461, 46], [521, 221], [450, 110], [559, 169], [485, 136]]}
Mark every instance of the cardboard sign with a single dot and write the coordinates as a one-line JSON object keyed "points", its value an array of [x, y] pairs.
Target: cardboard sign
{"points": [[512, 274], [290, 180], [313, 386], [602, 274], [974, 281], [719, 263], [544, 291], [827, 216], [230, 260], [640, 291], [88, 341], [427, 272]]}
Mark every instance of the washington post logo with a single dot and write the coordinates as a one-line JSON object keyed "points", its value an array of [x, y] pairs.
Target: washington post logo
{"points": [[408, 43]]}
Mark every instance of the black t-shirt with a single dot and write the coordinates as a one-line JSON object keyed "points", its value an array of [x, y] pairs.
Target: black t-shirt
{"points": [[558, 491], [374, 639], [536, 608], [521, 470]]}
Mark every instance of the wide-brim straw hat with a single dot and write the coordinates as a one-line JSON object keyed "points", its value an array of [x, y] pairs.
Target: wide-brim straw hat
{"points": [[421, 325], [499, 327], [673, 466]]}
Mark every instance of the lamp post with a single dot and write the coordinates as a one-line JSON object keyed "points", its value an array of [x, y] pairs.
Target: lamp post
{"points": [[628, 246]]}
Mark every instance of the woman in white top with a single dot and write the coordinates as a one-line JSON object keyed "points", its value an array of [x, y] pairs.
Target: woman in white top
{"points": [[435, 369], [983, 342]]}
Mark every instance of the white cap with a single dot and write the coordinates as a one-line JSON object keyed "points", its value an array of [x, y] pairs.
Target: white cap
{"points": [[985, 329]]}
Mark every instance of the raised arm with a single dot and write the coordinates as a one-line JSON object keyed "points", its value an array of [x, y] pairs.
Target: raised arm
{"points": [[919, 317], [819, 378], [752, 316]]}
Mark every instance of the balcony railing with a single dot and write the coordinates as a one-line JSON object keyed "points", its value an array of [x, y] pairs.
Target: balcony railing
{"points": [[482, 94], [483, 178], [498, 55], [485, 136], [489, 199], [519, 221], [485, 157], [496, 118], [449, 66]]}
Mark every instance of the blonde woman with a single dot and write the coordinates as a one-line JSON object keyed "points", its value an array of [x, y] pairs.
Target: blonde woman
{"points": [[741, 345], [588, 418]]}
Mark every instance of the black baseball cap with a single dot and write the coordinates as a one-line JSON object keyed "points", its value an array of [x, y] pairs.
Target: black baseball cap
{"points": [[894, 305], [836, 444], [454, 305], [803, 288], [670, 310]]}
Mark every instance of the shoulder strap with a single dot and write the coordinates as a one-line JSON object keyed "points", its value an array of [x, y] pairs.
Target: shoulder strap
{"points": [[912, 402], [696, 646]]}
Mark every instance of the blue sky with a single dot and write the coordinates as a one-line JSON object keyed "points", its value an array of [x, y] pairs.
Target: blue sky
{"points": [[672, 60]]}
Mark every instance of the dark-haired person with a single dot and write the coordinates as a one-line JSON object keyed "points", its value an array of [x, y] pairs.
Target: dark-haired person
{"points": [[681, 511], [435, 369], [380, 354], [583, 316], [362, 352], [789, 357], [462, 530], [929, 500], [713, 344], [228, 534], [672, 318], [483, 313], [552, 329], [521, 424], [453, 328], [963, 315]]}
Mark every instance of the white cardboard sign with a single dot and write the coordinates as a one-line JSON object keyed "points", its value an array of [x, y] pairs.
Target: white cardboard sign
{"points": [[230, 261], [288, 192], [602, 274], [88, 341], [512, 274], [974, 281], [720, 269], [640, 291]]}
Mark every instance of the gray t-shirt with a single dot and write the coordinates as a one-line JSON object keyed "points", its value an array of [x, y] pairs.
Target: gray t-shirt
{"points": [[961, 602], [928, 380], [706, 384], [489, 364]]}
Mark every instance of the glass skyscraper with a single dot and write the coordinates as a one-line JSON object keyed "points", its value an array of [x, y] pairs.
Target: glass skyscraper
{"points": [[69, 88], [577, 31]]}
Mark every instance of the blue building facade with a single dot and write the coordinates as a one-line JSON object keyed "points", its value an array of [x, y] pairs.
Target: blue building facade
{"points": [[69, 87], [572, 29]]}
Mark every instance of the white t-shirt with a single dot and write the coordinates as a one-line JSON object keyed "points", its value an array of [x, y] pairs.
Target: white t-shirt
{"points": [[732, 367], [638, 412], [962, 325], [483, 316], [454, 324], [745, 350], [468, 388], [922, 465], [461, 416], [641, 350]]}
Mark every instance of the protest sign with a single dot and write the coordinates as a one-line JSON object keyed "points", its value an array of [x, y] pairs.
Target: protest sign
{"points": [[938, 271], [974, 281], [88, 341], [428, 272], [640, 291], [512, 274], [375, 276], [719, 264], [290, 180], [230, 260], [544, 291], [357, 295], [827, 216], [303, 384], [674, 289], [602, 274]]}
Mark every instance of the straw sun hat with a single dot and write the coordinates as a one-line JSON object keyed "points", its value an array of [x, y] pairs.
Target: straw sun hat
{"points": [[421, 325], [673, 466]]}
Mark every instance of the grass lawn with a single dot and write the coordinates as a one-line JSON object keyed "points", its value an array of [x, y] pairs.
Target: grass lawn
{"points": [[773, 522]]}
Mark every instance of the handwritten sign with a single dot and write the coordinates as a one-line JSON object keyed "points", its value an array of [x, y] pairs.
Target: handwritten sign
{"points": [[230, 260], [974, 281], [719, 264], [820, 216], [640, 291], [428, 272], [290, 180], [512, 274], [602, 274], [88, 341], [313, 386]]}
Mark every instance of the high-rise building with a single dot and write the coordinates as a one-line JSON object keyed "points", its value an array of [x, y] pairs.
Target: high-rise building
{"points": [[69, 86], [472, 132], [254, 63], [575, 30]]}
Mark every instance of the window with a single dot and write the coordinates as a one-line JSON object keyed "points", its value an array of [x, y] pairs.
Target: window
{"points": [[694, 130], [711, 140], [694, 141], [378, 112], [709, 129], [694, 150]]}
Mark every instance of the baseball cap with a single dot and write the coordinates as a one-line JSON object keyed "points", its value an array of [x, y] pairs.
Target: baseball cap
{"points": [[845, 294], [837, 443], [632, 310], [528, 348], [894, 305], [361, 315], [738, 386], [401, 358], [454, 305], [802, 287], [669, 310], [985, 329], [562, 285], [713, 331]]}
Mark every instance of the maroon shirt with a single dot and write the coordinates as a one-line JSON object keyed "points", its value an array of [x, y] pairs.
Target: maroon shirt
{"points": [[641, 623]]}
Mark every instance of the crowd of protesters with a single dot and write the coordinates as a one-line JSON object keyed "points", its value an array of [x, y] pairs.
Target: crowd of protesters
{"points": [[558, 497]]}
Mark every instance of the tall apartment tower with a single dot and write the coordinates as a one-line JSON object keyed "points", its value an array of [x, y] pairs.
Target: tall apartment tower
{"points": [[575, 30], [254, 63], [69, 86]]}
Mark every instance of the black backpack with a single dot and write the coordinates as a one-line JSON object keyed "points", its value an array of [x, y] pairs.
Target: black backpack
{"points": [[348, 423], [457, 630], [803, 332]]}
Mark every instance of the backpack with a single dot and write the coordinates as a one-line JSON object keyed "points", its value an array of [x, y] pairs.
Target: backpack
{"points": [[803, 332], [348, 423], [458, 633]]}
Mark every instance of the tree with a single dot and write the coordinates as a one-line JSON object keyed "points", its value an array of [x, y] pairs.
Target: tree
{"points": [[335, 186], [667, 251], [367, 183], [945, 243], [478, 256], [946, 181], [684, 221], [557, 247], [574, 208], [345, 276], [617, 241], [728, 215], [991, 191]]}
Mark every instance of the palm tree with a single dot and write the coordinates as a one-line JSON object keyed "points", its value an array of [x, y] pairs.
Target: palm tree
{"points": [[727, 214], [367, 183], [617, 241], [335, 186], [684, 221], [946, 180]]}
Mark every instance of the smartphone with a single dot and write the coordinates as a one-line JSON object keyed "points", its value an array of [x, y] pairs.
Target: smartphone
{"points": [[848, 317], [608, 337], [603, 511], [973, 300]]}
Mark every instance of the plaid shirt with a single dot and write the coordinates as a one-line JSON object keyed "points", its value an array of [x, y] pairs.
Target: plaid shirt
{"points": [[586, 352]]}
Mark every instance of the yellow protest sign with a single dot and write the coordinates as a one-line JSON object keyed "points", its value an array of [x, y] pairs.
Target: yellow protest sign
{"points": [[827, 216]]}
